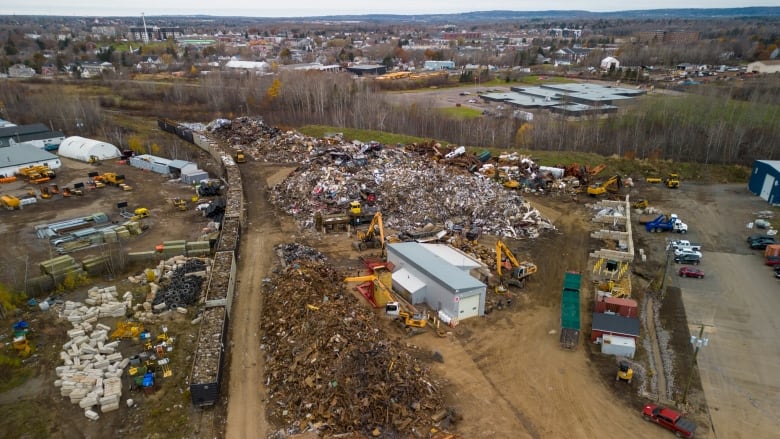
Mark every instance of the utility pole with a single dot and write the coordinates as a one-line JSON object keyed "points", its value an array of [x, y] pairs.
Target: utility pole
{"points": [[698, 343], [666, 266]]}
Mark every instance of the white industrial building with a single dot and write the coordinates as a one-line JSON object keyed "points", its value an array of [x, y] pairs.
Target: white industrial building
{"points": [[15, 157], [440, 276], [83, 149], [769, 66]]}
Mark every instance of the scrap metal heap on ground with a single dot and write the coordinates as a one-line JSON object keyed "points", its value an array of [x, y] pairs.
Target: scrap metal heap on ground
{"points": [[413, 184], [331, 367]]}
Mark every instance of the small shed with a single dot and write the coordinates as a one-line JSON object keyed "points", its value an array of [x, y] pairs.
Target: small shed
{"points": [[83, 149], [176, 167], [613, 324], [193, 176], [618, 346], [765, 180], [606, 304], [152, 163]]}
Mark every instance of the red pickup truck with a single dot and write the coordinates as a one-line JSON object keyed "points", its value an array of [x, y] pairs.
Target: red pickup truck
{"points": [[670, 419]]}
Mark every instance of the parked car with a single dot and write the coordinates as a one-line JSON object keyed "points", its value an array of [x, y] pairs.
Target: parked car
{"points": [[777, 272], [690, 259], [761, 243], [754, 237], [773, 261], [687, 251], [670, 419], [690, 272]]}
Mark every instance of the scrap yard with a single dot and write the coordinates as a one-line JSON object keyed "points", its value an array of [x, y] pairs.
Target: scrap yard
{"points": [[330, 287]]}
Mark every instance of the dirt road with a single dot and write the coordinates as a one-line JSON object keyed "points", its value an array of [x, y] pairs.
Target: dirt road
{"points": [[246, 410]]}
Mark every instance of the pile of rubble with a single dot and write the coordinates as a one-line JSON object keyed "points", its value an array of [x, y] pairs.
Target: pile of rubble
{"points": [[415, 185], [330, 367], [92, 367]]}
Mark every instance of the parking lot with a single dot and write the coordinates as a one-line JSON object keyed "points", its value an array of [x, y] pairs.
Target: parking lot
{"points": [[735, 304]]}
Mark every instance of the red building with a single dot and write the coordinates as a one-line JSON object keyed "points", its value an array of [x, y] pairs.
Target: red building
{"points": [[616, 305]]}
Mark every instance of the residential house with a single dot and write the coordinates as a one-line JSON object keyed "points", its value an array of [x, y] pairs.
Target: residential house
{"points": [[20, 71]]}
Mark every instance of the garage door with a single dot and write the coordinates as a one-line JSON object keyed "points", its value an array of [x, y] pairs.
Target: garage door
{"points": [[766, 189], [468, 307]]}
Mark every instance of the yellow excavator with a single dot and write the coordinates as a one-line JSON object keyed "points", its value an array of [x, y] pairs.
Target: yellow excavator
{"points": [[375, 287], [373, 237], [672, 181], [613, 184], [520, 271], [624, 372]]}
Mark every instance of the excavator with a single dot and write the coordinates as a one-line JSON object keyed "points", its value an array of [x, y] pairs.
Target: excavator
{"points": [[375, 287], [412, 321], [520, 270], [672, 181], [374, 237], [624, 372], [601, 189]]}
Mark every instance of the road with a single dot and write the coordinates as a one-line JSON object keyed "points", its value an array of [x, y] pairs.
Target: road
{"points": [[737, 304]]}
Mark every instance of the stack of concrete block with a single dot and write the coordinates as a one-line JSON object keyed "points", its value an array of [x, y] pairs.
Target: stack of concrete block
{"points": [[92, 366]]}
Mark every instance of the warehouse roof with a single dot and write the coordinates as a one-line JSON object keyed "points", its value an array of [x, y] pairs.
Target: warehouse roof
{"points": [[22, 129], [21, 154], [435, 266], [453, 256], [616, 324]]}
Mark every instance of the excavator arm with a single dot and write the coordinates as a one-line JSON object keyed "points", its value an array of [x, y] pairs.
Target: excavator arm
{"points": [[501, 250]]}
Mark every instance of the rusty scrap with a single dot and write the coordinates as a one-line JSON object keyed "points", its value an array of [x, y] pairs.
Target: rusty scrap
{"points": [[330, 367]]}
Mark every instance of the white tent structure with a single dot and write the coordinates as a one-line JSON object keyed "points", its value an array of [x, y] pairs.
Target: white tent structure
{"points": [[82, 149], [610, 62]]}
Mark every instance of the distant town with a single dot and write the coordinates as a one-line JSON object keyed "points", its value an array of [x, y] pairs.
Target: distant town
{"points": [[632, 49]]}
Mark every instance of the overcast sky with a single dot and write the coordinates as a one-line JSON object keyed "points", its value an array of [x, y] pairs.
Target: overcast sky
{"points": [[303, 8]]}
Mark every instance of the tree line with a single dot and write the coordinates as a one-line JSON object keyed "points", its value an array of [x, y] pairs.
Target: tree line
{"points": [[719, 124]]}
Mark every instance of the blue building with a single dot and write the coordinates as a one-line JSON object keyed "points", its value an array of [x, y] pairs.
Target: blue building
{"points": [[765, 180]]}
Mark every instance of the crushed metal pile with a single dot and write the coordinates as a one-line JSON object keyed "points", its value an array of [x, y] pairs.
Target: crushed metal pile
{"points": [[330, 367], [413, 187]]}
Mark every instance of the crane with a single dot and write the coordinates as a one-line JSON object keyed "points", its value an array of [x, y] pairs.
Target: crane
{"points": [[520, 270], [369, 238]]}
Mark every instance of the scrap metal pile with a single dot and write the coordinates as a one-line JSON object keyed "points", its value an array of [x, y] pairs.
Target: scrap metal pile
{"points": [[413, 188], [330, 367]]}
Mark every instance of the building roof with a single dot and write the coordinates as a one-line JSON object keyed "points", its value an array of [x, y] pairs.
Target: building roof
{"points": [[21, 154], [407, 280], [179, 164], [615, 324], [22, 129], [40, 136], [453, 256], [619, 301], [435, 266], [772, 163]]}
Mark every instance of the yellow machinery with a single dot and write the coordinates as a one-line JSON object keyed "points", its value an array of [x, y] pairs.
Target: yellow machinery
{"points": [[640, 204], [45, 194], [355, 208], [375, 287], [601, 189], [22, 346], [520, 270], [410, 319], [653, 180], [673, 181], [93, 160], [140, 213], [179, 203], [111, 179], [127, 330], [374, 237], [240, 156], [624, 372]]}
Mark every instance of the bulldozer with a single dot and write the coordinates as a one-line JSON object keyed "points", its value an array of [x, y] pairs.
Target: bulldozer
{"points": [[624, 372], [374, 237], [613, 184], [521, 271], [240, 156], [672, 181], [179, 203]]}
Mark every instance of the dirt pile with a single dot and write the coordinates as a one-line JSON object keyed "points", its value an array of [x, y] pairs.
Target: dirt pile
{"points": [[329, 365]]}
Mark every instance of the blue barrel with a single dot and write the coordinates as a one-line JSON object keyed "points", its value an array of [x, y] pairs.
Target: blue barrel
{"points": [[484, 156]]}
